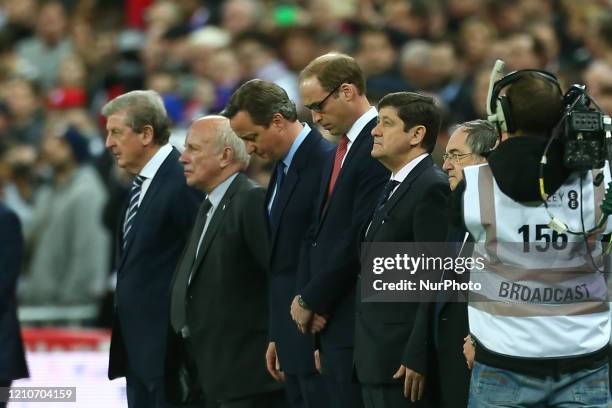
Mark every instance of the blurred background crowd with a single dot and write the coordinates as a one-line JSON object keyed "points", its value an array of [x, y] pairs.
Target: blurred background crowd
{"points": [[60, 61]]}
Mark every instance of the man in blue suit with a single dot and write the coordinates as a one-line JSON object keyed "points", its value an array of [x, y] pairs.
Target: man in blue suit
{"points": [[265, 118], [12, 358], [150, 239], [333, 87]]}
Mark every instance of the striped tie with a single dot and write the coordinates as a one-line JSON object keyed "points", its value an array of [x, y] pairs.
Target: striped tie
{"points": [[132, 207]]}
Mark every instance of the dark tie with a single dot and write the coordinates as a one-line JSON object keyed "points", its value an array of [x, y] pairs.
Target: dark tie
{"points": [[206, 206], [280, 177], [132, 209], [389, 187], [179, 290], [382, 200]]}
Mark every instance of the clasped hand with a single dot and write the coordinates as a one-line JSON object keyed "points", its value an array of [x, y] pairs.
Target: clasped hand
{"points": [[306, 320]]}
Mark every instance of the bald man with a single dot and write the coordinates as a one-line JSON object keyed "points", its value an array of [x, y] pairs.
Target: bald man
{"points": [[218, 302]]}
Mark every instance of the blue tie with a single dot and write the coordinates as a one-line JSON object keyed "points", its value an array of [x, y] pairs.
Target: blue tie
{"points": [[280, 176], [130, 214]]}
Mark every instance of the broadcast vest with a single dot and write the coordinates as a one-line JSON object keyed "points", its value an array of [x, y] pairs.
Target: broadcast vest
{"points": [[541, 294]]}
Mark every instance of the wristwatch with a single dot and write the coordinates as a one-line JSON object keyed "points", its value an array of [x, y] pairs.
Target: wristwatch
{"points": [[302, 304]]}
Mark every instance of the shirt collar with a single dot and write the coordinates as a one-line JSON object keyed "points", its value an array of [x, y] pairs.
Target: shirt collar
{"points": [[296, 145], [404, 171], [360, 123], [155, 162], [218, 192]]}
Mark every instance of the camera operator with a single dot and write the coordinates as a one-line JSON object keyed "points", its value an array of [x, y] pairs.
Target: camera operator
{"points": [[534, 352]]}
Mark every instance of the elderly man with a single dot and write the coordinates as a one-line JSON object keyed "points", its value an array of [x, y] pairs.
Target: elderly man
{"points": [[151, 235], [219, 306], [466, 147]]}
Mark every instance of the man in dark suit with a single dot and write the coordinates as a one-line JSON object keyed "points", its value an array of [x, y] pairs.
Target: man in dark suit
{"points": [[12, 358], [151, 236], [333, 87], [264, 117], [466, 147], [390, 365], [219, 291]]}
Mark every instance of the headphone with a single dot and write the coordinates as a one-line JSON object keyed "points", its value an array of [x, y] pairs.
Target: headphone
{"points": [[498, 107]]}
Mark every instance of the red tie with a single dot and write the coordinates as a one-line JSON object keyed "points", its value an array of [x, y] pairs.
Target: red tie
{"points": [[340, 153]]}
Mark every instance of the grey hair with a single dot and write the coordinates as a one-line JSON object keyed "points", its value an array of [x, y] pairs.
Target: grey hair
{"points": [[481, 135], [142, 108], [225, 137], [416, 53]]}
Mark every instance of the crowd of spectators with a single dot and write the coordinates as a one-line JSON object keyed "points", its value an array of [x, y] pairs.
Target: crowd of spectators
{"points": [[61, 61]]}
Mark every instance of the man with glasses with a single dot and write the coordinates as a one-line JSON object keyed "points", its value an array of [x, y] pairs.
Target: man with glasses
{"points": [[466, 147], [333, 87]]}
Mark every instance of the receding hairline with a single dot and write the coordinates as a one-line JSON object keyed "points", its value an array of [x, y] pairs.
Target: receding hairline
{"points": [[314, 68], [214, 121]]}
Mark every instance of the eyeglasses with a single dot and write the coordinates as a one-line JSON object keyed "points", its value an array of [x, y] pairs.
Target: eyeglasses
{"points": [[455, 157], [318, 106]]}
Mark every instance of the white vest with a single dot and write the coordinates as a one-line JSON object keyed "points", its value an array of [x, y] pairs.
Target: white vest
{"points": [[536, 281]]}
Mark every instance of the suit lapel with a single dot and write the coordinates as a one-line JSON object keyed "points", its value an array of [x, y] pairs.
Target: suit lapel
{"points": [[299, 161], [152, 190], [327, 171], [216, 221], [381, 215], [291, 180]]}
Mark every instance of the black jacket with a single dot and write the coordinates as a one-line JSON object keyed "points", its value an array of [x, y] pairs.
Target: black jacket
{"points": [[383, 331], [295, 207], [226, 300]]}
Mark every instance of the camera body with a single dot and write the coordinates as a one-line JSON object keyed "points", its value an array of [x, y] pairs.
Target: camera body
{"points": [[585, 132], [583, 129]]}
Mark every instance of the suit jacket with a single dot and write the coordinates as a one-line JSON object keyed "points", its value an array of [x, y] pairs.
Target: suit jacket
{"points": [[294, 209], [144, 271], [12, 357], [330, 262], [416, 212], [226, 300]]}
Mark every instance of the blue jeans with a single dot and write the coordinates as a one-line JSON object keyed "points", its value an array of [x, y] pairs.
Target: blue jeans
{"points": [[494, 387]]}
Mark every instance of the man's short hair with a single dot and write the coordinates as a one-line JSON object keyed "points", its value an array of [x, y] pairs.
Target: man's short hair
{"points": [[481, 135], [416, 109], [334, 69], [225, 137], [142, 108], [261, 100], [535, 103]]}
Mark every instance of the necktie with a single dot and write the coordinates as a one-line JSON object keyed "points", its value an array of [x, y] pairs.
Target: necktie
{"points": [[202, 223], [179, 290], [280, 177], [386, 194], [340, 153], [382, 200], [132, 207]]}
